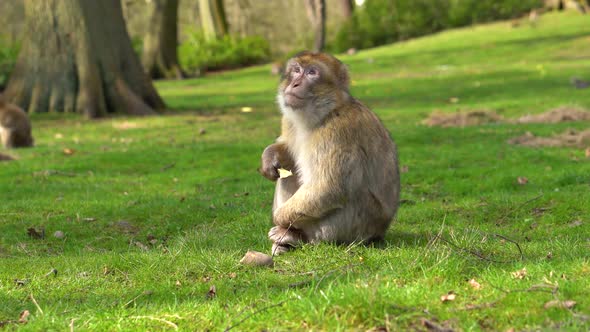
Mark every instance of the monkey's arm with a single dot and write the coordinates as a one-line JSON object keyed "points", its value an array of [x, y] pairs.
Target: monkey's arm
{"points": [[328, 192], [275, 156], [308, 204]]}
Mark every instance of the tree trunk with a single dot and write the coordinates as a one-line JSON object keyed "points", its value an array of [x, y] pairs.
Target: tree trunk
{"points": [[76, 56], [347, 7], [213, 18], [160, 56], [316, 12]]}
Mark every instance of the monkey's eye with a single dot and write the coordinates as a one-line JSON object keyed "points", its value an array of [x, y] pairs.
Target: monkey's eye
{"points": [[312, 72], [296, 69]]}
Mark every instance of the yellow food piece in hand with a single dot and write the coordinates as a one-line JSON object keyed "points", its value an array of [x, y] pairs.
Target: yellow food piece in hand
{"points": [[283, 173]]}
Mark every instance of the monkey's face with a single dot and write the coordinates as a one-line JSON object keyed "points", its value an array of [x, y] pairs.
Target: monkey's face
{"points": [[298, 86], [313, 79]]}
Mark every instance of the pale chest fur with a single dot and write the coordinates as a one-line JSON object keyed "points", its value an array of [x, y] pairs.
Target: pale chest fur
{"points": [[302, 150]]}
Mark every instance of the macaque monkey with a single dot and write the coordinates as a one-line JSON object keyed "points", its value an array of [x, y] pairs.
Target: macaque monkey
{"points": [[345, 184], [15, 127]]}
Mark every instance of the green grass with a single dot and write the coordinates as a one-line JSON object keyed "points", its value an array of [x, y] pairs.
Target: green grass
{"points": [[202, 203]]}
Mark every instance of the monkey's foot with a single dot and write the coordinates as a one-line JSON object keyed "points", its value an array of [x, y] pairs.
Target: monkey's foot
{"points": [[283, 239], [278, 249]]}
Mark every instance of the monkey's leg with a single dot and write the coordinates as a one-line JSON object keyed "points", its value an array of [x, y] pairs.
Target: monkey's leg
{"points": [[283, 239], [7, 137], [284, 189]]}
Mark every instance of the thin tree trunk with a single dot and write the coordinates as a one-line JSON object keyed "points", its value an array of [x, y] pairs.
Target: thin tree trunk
{"points": [[160, 56], [76, 56], [347, 7], [316, 12], [213, 20]]}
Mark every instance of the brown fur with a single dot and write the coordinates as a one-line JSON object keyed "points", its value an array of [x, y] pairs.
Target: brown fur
{"points": [[345, 186], [15, 127]]}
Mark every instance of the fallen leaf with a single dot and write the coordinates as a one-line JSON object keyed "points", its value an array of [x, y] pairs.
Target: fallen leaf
{"points": [[151, 239], [474, 284], [453, 100], [58, 235], [522, 180], [549, 255], [141, 246], [68, 151], [246, 109], [283, 173], [568, 304], [178, 283], [21, 282], [125, 125], [450, 296], [520, 274], [257, 259], [432, 326], [126, 227], [23, 317], [232, 275], [35, 234], [211, 293]]}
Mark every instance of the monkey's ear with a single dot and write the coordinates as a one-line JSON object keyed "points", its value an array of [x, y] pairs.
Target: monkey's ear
{"points": [[343, 77]]}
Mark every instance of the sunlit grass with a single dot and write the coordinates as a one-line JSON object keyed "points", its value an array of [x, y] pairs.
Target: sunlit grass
{"points": [[156, 211]]}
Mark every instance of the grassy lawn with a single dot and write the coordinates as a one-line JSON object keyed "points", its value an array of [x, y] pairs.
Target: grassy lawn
{"points": [[154, 212]]}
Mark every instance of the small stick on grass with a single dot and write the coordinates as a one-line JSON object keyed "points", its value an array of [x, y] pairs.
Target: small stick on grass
{"points": [[431, 242], [502, 218], [165, 321], [135, 298], [257, 312], [36, 304]]}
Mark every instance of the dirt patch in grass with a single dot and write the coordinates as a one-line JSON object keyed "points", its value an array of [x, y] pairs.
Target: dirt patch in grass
{"points": [[568, 138], [479, 117], [560, 114], [461, 118]]}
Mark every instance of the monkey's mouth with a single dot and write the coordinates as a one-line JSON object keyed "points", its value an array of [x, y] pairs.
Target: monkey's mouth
{"points": [[293, 100], [290, 94]]}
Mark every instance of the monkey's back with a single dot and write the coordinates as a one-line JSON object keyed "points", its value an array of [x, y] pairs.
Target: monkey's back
{"points": [[362, 159], [15, 126]]}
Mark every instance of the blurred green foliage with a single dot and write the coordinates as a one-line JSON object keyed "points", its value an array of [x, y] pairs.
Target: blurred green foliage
{"points": [[197, 54], [137, 44], [380, 22], [8, 55]]}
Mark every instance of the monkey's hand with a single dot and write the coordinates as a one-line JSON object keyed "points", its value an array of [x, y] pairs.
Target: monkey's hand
{"points": [[285, 218], [283, 236], [275, 156]]}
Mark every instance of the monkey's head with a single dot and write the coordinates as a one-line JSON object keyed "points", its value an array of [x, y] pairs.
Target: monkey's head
{"points": [[313, 85]]}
